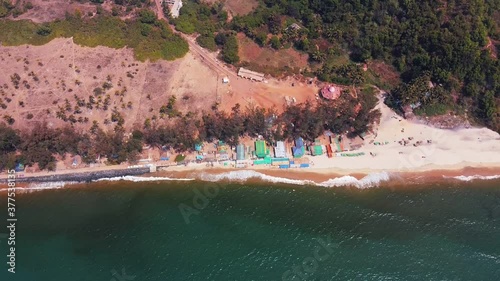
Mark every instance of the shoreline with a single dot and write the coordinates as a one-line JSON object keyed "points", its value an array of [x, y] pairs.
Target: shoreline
{"points": [[399, 148], [318, 176], [300, 177], [79, 177]]}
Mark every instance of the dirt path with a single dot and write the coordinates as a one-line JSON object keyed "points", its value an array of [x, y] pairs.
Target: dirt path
{"points": [[243, 91], [491, 48], [159, 10], [207, 57]]}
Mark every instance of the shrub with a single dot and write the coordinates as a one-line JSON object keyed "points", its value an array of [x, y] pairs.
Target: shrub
{"points": [[207, 42], [44, 30]]}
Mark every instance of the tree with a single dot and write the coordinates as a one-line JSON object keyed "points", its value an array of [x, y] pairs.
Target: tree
{"points": [[275, 42], [44, 30], [230, 50], [9, 139], [261, 38], [147, 16], [207, 42]]}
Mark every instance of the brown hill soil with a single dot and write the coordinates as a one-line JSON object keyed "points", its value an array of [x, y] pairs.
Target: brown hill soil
{"points": [[269, 60], [48, 75], [59, 70]]}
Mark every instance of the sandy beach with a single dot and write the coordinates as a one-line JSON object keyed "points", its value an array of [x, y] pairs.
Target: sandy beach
{"points": [[439, 151], [399, 146]]}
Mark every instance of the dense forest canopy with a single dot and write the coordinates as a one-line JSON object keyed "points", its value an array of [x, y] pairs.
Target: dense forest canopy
{"points": [[442, 40], [451, 43]]}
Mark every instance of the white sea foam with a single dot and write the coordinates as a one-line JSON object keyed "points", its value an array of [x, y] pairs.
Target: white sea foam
{"points": [[244, 175], [142, 179], [39, 186], [475, 177], [370, 180]]}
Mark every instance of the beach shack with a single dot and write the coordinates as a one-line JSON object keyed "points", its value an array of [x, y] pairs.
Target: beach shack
{"points": [[280, 150], [222, 147], [198, 147], [329, 150], [19, 167], [240, 152], [339, 147], [261, 149], [223, 156], [298, 150], [316, 149], [266, 160]]}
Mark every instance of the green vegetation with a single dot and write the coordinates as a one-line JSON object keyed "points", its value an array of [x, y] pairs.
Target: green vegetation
{"points": [[443, 40], [180, 157], [432, 110], [180, 132], [207, 42], [207, 21], [7, 8], [200, 18], [347, 74], [41, 144], [229, 45], [149, 38]]}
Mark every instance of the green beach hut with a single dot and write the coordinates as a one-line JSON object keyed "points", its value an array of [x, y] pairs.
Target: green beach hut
{"points": [[261, 149]]}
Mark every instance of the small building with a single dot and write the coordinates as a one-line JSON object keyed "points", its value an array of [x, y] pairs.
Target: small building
{"points": [[198, 147], [280, 150], [337, 140], [174, 7], [265, 161], [240, 152], [261, 149], [294, 26], [225, 80], [252, 75], [19, 167], [316, 149], [329, 150], [298, 150], [222, 147], [331, 92]]}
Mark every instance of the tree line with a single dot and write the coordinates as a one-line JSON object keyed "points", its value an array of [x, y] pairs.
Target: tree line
{"points": [[181, 132]]}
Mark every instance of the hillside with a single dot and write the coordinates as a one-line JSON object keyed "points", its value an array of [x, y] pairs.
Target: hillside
{"points": [[449, 43]]}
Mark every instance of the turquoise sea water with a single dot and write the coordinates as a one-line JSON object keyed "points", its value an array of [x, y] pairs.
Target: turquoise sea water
{"points": [[126, 231]]}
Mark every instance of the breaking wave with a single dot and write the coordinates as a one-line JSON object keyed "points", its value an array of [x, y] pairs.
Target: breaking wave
{"points": [[475, 177], [39, 186], [142, 179], [371, 180], [244, 175]]}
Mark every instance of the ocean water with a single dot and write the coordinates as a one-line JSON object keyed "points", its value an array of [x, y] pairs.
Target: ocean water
{"points": [[193, 230]]}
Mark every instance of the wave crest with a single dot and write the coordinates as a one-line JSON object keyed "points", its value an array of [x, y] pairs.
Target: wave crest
{"points": [[244, 175], [371, 180], [39, 186], [476, 177], [142, 179]]}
